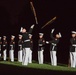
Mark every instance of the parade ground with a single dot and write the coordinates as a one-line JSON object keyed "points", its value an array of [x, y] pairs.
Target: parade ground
{"points": [[35, 69]]}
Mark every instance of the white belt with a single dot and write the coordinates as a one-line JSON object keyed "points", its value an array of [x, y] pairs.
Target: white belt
{"points": [[40, 44], [4, 45], [74, 45], [11, 45], [26, 40], [53, 46], [20, 45]]}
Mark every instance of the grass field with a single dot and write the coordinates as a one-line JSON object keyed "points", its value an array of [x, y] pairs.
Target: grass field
{"points": [[39, 66]]}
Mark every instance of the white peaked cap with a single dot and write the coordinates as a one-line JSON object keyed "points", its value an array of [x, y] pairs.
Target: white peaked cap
{"points": [[12, 36], [30, 34], [4, 36], [41, 34], [60, 34], [74, 32], [20, 35], [0, 37]]}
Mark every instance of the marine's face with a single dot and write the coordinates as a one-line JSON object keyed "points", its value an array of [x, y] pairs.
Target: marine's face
{"points": [[73, 35], [12, 38], [20, 37], [4, 38], [57, 36], [23, 30], [40, 36]]}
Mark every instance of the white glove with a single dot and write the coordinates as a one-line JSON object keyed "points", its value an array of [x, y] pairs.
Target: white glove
{"points": [[52, 30], [32, 26], [60, 34], [47, 42], [21, 29]]}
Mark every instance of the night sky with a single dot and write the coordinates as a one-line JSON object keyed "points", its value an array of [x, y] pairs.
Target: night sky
{"points": [[17, 13]]}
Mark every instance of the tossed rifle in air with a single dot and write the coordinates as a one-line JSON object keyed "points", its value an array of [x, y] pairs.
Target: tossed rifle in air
{"points": [[49, 22], [34, 12]]}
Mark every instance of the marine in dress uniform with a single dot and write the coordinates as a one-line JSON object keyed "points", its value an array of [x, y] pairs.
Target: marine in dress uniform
{"points": [[41, 43], [53, 47], [12, 48], [4, 47], [31, 47], [0, 47], [73, 50], [26, 44], [20, 48]]}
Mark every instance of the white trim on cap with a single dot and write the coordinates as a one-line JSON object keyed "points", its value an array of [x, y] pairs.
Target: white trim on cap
{"points": [[74, 32], [13, 36], [20, 35], [41, 34], [4, 36]]}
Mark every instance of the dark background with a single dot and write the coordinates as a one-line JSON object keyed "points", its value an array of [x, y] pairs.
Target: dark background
{"points": [[17, 13]]}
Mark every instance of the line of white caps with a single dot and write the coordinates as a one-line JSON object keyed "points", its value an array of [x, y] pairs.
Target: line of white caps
{"points": [[3, 37], [11, 36], [40, 34]]}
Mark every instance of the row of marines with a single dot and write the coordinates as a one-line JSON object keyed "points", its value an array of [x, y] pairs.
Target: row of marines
{"points": [[25, 46]]}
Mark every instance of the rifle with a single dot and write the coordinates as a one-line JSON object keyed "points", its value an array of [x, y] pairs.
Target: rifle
{"points": [[49, 22]]}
